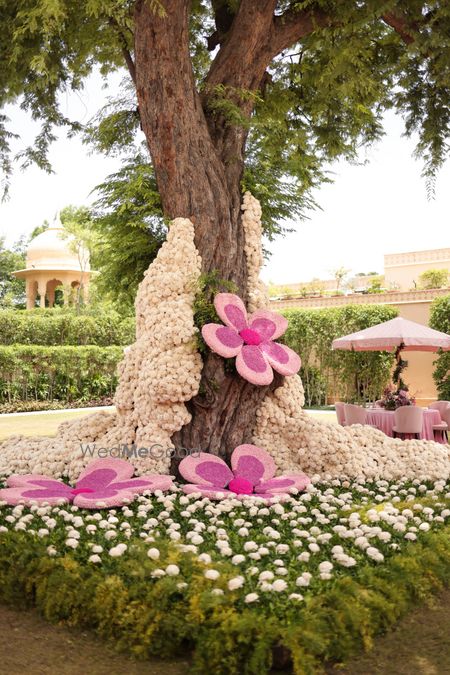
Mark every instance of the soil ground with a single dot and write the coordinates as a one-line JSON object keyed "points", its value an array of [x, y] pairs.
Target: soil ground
{"points": [[419, 645]]}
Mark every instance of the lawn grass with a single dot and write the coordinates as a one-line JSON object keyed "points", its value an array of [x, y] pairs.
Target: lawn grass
{"points": [[42, 424], [46, 423]]}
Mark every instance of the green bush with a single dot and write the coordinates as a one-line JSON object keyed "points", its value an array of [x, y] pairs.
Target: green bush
{"points": [[63, 373], [345, 375], [440, 320], [65, 327]]}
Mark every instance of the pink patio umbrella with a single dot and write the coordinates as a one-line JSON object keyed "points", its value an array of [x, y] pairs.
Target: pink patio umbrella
{"points": [[395, 335]]}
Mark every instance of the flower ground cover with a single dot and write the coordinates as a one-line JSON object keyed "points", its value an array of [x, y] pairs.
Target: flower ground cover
{"points": [[318, 575]]}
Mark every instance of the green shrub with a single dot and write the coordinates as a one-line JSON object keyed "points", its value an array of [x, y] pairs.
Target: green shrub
{"points": [[345, 375], [440, 320], [63, 373], [65, 327]]}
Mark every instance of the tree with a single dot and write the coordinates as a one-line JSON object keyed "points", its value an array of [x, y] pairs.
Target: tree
{"points": [[340, 274], [232, 93], [12, 290], [433, 279]]}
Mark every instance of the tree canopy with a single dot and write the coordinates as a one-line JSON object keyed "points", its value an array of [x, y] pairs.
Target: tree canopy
{"points": [[335, 68]]}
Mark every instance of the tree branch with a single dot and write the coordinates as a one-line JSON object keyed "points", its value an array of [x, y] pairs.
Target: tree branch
{"points": [[402, 26], [124, 47], [223, 18], [292, 26]]}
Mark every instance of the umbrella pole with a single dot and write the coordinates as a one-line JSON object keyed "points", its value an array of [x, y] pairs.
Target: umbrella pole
{"points": [[399, 368]]}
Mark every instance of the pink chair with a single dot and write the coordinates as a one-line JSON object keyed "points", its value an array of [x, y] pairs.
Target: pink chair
{"points": [[439, 405], [340, 413], [443, 427], [408, 420], [354, 414]]}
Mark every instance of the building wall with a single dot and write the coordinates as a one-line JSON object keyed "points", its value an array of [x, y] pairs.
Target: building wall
{"points": [[404, 269], [413, 305]]}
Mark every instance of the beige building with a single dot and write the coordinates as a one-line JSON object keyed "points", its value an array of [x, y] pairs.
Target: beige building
{"points": [[54, 260], [402, 271]]}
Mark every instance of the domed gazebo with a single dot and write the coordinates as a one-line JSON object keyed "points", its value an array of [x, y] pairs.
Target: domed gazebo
{"points": [[51, 263]]}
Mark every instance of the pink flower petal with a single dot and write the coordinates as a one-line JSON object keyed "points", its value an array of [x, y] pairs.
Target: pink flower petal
{"points": [[283, 484], [205, 469], [253, 463], [143, 484], [33, 480], [210, 492], [282, 358], [100, 501], [101, 472], [252, 366], [269, 325], [20, 495], [222, 340], [231, 310]]}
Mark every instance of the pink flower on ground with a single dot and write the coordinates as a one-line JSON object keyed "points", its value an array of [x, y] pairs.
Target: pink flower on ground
{"points": [[103, 483], [250, 340], [252, 473]]}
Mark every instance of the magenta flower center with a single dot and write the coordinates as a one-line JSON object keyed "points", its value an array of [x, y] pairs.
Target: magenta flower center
{"points": [[241, 486], [80, 491], [250, 337]]}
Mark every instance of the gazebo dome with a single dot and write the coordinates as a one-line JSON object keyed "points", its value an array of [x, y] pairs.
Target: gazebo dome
{"points": [[51, 250]]}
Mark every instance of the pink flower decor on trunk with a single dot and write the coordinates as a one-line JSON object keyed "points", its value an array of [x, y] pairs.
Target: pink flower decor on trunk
{"points": [[252, 473], [250, 340], [102, 484]]}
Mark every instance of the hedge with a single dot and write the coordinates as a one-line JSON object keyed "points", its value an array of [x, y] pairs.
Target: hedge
{"points": [[440, 320], [63, 373], [65, 327], [348, 376]]}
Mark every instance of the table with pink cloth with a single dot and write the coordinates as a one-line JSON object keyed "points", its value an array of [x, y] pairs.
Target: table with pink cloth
{"points": [[384, 420]]}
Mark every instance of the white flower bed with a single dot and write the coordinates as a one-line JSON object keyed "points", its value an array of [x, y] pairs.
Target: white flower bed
{"points": [[279, 553]]}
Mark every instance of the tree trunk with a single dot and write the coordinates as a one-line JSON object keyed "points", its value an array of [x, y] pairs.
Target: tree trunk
{"points": [[198, 164]]}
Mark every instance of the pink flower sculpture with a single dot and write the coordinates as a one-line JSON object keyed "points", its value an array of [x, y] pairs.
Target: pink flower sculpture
{"points": [[252, 473], [250, 340], [103, 483]]}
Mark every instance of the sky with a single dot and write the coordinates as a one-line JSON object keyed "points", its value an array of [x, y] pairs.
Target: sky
{"points": [[380, 207]]}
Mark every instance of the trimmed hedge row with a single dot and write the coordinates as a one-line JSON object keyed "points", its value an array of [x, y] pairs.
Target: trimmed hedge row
{"points": [[65, 327], [348, 376], [156, 618], [63, 373], [440, 320]]}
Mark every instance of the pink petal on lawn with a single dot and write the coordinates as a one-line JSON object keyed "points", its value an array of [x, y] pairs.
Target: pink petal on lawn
{"points": [[103, 499], [252, 366], [209, 491], [269, 325], [143, 483], [101, 472], [231, 310], [20, 495], [282, 358], [205, 469], [252, 463], [34, 479], [222, 340], [282, 484]]}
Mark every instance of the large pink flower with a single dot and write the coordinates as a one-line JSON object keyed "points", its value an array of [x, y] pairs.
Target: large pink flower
{"points": [[252, 473], [250, 340], [103, 483]]}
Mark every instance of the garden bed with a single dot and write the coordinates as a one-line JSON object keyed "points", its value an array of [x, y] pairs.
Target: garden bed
{"points": [[234, 583]]}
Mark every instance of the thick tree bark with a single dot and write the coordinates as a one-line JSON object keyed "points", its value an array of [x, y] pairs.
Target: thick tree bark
{"points": [[198, 165]]}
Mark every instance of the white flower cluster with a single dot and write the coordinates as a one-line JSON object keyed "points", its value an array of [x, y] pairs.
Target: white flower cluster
{"points": [[251, 222], [278, 553], [159, 372]]}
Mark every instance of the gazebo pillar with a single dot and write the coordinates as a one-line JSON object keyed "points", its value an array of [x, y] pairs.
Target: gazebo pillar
{"points": [[42, 288], [31, 292]]}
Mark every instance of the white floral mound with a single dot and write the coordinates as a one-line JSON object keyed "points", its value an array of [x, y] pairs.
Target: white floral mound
{"points": [[298, 441], [160, 371]]}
